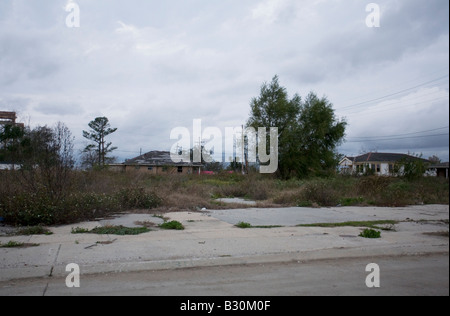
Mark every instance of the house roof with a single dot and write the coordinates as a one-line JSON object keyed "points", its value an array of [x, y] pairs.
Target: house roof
{"points": [[346, 158], [158, 158], [385, 157], [442, 165]]}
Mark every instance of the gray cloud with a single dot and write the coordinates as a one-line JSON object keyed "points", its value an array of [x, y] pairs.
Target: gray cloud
{"points": [[150, 66], [59, 108]]}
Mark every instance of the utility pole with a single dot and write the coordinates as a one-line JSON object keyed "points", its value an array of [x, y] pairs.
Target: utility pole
{"points": [[243, 149]]}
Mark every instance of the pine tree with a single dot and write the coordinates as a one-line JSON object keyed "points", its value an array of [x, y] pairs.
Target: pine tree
{"points": [[100, 129]]}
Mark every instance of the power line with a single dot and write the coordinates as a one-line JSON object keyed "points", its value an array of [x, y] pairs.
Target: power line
{"points": [[392, 106], [397, 138], [399, 135], [393, 94], [394, 87]]}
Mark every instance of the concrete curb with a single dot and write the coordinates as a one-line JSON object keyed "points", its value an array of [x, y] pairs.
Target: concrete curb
{"points": [[373, 253]]}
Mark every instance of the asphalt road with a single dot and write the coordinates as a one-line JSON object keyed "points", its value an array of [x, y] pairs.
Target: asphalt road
{"points": [[406, 275]]}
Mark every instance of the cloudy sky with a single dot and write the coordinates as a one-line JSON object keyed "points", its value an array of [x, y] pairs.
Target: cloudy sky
{"points": [[150, 66]]}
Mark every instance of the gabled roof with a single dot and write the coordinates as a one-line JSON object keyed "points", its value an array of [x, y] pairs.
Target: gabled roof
{"points": [[158, 158], [385, 157], [346, 158]]}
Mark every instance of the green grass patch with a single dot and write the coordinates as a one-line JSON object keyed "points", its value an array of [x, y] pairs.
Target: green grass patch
{"points": [[370, 233], [248, 225], [15, 244], [34, 230], [174, 225], [79, 230], [305, 204], [112, 230], [368, 224], [243, 225], [119, 230], [351, 201]]}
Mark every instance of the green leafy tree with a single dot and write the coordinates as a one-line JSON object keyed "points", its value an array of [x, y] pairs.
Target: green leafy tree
{"points": [[411, 168], [100, 129], [273, 108], [319, 132], [10, 141], [309, 131]]}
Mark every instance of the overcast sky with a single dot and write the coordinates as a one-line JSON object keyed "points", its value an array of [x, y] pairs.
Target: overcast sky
{"points": [[150, 66]]}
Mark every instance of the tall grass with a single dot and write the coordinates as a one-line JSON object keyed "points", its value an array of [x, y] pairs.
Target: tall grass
{"points": [[91, 195], [96, 194]]}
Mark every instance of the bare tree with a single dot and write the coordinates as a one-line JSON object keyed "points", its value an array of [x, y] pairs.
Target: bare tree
{"points": [[46, 159]]}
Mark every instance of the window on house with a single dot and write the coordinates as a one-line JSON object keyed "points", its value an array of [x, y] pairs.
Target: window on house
{"points": [[150, 168], [391, 168], [180, 169], [164, 168], [378, 168]]}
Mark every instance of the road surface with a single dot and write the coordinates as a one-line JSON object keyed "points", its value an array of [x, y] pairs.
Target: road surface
{"points": [[409, 275]]}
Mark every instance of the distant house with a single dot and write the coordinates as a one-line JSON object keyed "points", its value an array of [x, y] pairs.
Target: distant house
{"points": [[157, 162], [346, 165], [9, 118], [440, 169], [6, 167], [382, 164]]}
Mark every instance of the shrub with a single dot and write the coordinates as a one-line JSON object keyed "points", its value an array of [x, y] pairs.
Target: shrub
{"points": [[370, 233], [320, 192], [243, 225], [133, 198], [351, 201], [32, 209], [372, 185], [175, 225]]}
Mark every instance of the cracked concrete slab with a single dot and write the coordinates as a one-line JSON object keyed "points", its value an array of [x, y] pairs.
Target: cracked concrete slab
{"points": [[209, 240]]}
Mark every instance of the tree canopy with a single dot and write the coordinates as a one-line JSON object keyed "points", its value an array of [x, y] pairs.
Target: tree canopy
{"points": [[309, 131]]}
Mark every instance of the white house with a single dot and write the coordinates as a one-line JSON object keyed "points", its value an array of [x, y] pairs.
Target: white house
{"points": [[4, 167], [381, 164], [346, 165]]}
